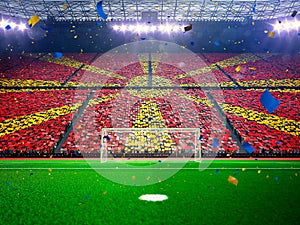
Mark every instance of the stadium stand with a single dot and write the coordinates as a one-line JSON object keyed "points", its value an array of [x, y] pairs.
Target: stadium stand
{"points": [[34, 120]]}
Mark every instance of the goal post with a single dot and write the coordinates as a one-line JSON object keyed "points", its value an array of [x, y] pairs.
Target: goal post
{"points": [[177, 143]]}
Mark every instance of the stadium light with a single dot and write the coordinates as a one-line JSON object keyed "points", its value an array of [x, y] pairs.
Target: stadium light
{"points": [[22, 26], [12, 25], [3, 24], [287, 26], [145, 28]]}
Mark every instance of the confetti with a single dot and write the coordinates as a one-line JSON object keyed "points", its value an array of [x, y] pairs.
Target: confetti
{"points": [[271, 34], [217, 171], [243, 169], [64, 7], [238, 68], [215, 142], [249, 149], [294, 13], [33, 20], [8, 27], [259, 171], [216, 43], [101, 11], [267, 177], [233, 180], [188, 28], [106, 137], [57, 55], [236, 172], [269, 102]]}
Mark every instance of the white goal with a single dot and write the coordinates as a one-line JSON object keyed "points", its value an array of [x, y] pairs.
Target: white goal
{"points": [[177, 143]]}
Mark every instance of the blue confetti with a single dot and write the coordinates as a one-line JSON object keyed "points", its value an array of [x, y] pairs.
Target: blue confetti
{"points": [[249, 149], [159, 161], [8, 27], [215, 142], [57, 55], [98, 24], [192, 43], [278, 142], [217, 171], [276, 178], [86, 197], [236, 172], [101, 11], [269, 102], [106, 137], [7, 182], [216, 43]]}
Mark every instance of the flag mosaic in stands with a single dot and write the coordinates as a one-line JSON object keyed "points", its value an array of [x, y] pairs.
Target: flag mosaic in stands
{"points": [[149, 112]]}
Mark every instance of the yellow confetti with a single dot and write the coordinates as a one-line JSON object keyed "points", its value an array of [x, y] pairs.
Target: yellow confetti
{"points": [[33, 20], [238, 68], [233, 180], [259, 171], [267, 177], [271, 34], [64, 7], [243, 169]]}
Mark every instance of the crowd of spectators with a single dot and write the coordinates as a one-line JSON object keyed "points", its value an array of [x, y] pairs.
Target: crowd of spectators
{"points": [[179, 108]]}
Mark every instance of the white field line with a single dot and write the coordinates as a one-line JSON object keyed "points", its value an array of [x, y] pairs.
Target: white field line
{"points": [[150, 161], [220, 169]]}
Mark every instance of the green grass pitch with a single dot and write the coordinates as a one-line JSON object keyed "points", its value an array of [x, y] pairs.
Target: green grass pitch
{"points": [[71, 192]]}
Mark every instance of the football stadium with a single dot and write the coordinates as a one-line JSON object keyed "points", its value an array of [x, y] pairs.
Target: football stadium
{"points": [[150, 112]]}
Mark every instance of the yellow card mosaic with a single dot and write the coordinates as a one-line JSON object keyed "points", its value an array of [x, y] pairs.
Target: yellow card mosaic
{"points": [[149, 116]]}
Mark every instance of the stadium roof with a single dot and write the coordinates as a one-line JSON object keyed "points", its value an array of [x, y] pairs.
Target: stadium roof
{"points": [[157, 10]]}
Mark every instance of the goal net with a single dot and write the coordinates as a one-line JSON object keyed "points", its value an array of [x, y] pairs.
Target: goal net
{"points": [[177, 143]]}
